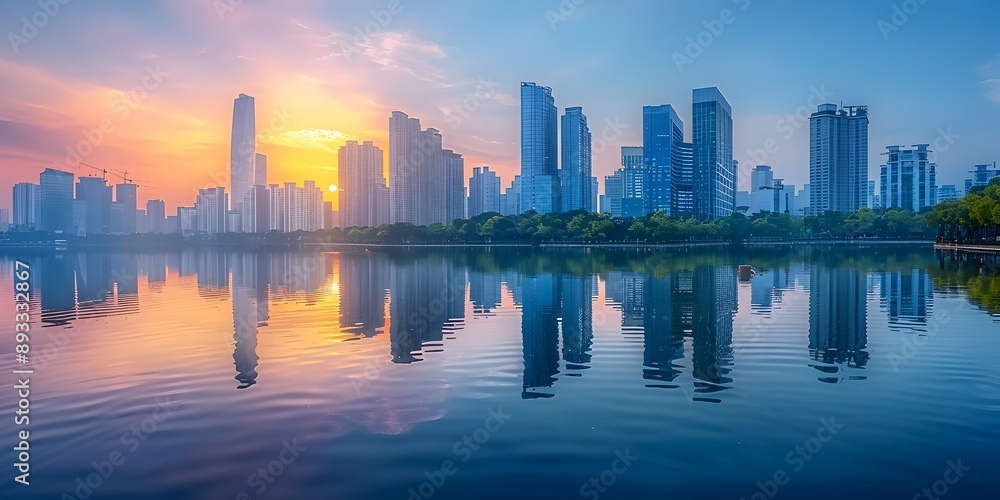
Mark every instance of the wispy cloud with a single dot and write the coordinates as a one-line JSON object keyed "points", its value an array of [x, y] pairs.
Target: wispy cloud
{"points": [[325, 140], [990, 72], [393, 51]]}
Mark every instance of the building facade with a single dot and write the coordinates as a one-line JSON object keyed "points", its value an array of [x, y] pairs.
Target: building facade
{"points": [[577, 162], [363, 195], [540, 188], [484, 191], [243, 148], [714, 167], [56, 201], [909, 179], [838, 159]]}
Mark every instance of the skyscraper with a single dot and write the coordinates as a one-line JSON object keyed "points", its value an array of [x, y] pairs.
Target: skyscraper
{"points": [[210, 210], [361, 181], [714, 167], [539, 160], [156, 212], [419, 171], [838, 158], [125, 197], [909, 179], [575, 175], [26, 196], [243, 148], [260, 169], [95, 193], [662, 136], [614, 187], [56, 200], [761, 190], [484, 191], [634, 182], [682, 182]]}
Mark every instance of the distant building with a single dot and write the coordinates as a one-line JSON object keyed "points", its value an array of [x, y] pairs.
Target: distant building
{"points": [[484, 191], [126, 196], [838, 159], [909, 179], [256, 214], [156, 216], [454, 187], [4, 220], [614, 190], [210, 211], [510, 200], [662, 136], [187, 220], [715, 170], [277, 216], [363, 195], [26, 198], [948, 192], [426, 181], [540, 189], [633, 182], [761, 189], [575, 175], [56, 201], [981, 176], [871, 196], [95, 194]]}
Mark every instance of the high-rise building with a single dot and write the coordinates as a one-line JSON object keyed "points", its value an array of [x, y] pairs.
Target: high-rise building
{"points": [[260, 170], [277, 217], [510, 200], [4, 219], [126, 197], [454, 187], [243, 149], [662, 137], [871, 195], [56, 201], [419, 171], [577, 160], [714, 167], [614, 189], [838, 158], [539, 155], [26, 198], [363, 194], [312, 206], [761, 189], [156, 215], [909, 179], [210, 210], [484, 191], [682, 182], [633, 182], [187, 220], [256, 214], [95, 193], [805, 200]]}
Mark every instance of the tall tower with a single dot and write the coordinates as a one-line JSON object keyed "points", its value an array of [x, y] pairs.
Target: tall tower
{"points": [[714, 168], [576, 161], [662, 136], [838, 158], [243, 148], [539, 162], [362, 183]]}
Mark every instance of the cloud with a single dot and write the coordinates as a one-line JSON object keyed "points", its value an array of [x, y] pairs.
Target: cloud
{"points": [[321, 139], [991, 82], [392, 51]]}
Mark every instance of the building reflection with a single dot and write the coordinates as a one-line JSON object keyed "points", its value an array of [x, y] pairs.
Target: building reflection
{"points": [[908, 298], [838, 315], [712, 327], [250, 298], [364, 280], [426, 298], [539, 334]]}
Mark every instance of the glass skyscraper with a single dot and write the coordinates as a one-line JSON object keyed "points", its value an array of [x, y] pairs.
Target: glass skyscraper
{"points": [[662, 137], [633, 182], [714, 168], [576, 162], [56, 200], [539, 161], [243, 148]]}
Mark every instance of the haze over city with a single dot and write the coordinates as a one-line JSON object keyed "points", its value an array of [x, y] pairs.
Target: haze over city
{"points": [[325, 73]]}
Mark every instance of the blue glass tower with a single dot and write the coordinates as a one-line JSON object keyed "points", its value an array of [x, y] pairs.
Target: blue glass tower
{"points": [[714, 169], [575, 175], [539, 160], [662, 139]]}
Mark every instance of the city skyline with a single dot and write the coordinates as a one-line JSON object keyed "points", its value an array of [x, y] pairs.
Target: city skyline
{"points": [[173, 120]]}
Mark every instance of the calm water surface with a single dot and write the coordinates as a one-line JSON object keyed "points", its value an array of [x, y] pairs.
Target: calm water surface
{"points": [[508, 374]]}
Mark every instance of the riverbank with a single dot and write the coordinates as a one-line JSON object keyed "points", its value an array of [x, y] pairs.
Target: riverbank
{"points": [[968, 247]]}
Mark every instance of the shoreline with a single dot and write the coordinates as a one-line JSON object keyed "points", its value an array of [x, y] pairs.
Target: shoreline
{"points": [[968, 247]]}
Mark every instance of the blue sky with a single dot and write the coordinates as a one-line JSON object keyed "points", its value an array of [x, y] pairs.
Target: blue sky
{"points": [[456, 65]]}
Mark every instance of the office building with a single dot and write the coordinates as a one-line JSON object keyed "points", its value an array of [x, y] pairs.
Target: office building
{"points": [[243, 149], [838, 159], [540, 189], [156, 215], [95, 194], [56, 201], [762, 193], [26, 197], [210, 211], [633, 182], [614, 190], [662, 137], [909, 179], [510, 200], [714, 167], [575, 175], [126, 197], [948, 192], [981, 176]]}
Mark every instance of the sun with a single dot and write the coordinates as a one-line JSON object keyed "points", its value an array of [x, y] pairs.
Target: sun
{"points": [[333, 188]]}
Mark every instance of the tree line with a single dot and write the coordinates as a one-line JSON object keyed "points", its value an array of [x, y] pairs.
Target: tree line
{"points": [[974, 218]]}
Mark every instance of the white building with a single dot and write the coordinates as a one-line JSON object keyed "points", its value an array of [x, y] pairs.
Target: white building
{"points": [[909, 179], [210, 207], [363, 195], [838, 158]]}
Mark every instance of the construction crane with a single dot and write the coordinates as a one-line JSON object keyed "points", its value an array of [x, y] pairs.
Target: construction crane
{"points": [[104, 172]]}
